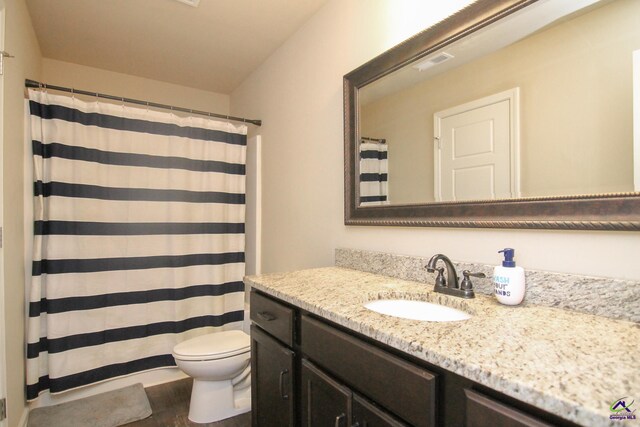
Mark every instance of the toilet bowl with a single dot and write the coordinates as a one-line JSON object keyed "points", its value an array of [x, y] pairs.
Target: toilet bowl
{"points": [[219, 364]]}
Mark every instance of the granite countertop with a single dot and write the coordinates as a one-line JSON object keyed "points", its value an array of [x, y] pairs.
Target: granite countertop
{"points": [[571, 364]]}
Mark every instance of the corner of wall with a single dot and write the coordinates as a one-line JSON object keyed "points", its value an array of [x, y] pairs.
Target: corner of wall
{"points": [[20, 41], [24, 419]]}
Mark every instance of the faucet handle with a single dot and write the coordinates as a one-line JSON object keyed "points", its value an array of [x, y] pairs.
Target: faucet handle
{"points": [[467, 273], [440, 280], [466, 281]]}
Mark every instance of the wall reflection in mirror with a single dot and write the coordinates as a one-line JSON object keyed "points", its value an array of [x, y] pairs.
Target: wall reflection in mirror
{"points": [[527, 107]]}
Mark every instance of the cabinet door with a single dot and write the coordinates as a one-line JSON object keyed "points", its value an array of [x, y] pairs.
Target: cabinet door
{"points": [[272, 381], [365, 414], [483, 411], [325, 403]]}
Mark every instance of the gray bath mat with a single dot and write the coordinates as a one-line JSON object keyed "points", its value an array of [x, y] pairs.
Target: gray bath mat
{"points": [[110, 409]]}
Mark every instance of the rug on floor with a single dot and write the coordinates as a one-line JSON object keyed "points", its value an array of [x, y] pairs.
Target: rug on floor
{"points": [[110, 409]]}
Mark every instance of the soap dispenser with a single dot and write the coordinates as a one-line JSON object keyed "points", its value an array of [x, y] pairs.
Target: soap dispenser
{"points": [[508, 280]]}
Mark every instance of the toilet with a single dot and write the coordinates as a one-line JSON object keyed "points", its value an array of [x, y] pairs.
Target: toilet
{"points": [[219, 364]]}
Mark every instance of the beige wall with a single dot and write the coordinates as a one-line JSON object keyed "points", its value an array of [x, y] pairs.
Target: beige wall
{"points": [[575, 108], [19, 41], [94, 79], [402, 120], [298, 94]]}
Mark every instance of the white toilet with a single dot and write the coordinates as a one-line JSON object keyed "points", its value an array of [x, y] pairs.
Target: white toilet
{"points": [[220, 366]]}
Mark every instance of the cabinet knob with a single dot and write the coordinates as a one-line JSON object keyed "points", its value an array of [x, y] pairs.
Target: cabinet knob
{"points": [[339, 419]]}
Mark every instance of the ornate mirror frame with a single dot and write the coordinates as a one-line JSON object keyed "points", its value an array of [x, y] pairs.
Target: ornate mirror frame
{"points": [[619, 211]]}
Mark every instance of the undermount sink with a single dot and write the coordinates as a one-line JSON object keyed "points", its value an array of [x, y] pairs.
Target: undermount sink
{"points": [[417, 310]]}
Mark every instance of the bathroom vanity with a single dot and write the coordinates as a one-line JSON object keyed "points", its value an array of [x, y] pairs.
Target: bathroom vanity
{"points": [[320, 358]]}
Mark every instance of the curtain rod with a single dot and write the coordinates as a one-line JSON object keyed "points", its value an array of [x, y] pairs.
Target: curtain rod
{"points": [[34, 84]]}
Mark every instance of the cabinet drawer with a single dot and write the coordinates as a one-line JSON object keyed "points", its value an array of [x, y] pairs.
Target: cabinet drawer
{"points": [[273, 317], [401, 387], [483, 411]]}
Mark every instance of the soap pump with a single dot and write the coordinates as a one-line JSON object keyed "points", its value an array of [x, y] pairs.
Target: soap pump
{"points": [[508, 280]]}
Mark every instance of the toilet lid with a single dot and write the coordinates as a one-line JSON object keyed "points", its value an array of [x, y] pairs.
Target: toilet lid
{"points": [[217, 345]]}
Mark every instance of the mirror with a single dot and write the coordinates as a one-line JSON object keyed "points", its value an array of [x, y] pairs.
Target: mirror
{"points": [[519, 114]]}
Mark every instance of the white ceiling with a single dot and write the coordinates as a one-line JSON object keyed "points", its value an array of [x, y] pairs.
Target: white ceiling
{"points": [[212, 47]]}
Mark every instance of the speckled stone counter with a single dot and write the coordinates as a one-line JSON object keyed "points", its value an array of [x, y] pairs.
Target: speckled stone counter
{"points": [[571, 364]]}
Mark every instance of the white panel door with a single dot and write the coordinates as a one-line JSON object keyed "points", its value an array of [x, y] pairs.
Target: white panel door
{"points": [[474, 156]]}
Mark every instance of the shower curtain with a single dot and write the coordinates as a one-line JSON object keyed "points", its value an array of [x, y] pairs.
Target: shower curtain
{"points": [[138, 238], [373, 173]]}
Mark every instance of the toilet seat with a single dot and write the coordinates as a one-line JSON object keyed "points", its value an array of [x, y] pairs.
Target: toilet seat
{"points": [[217, 345]]}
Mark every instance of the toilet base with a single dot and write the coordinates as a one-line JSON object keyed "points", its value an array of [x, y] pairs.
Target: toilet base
{"points": [[215, 400]]}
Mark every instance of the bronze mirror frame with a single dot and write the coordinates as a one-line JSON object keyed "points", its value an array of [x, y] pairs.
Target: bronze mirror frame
{"points": [[616, 211]]}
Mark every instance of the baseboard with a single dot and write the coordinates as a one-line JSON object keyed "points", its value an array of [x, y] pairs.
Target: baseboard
{"points": [[24, 419]]}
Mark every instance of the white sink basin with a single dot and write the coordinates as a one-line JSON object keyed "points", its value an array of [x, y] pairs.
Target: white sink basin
{"points": [[417, 310]]}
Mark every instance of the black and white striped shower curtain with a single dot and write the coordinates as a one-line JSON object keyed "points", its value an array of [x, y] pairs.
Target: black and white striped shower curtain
{"points": [[138, 238], [373, 173]]}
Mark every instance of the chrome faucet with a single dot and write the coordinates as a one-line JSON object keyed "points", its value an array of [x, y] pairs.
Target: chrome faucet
{"points": [[450, 285]]}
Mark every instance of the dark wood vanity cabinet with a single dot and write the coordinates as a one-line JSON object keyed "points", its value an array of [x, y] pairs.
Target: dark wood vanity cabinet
{"points": [[323, 401], [366, 414], [327, 402], [272, 384], [273, 363], [482, 411], [309, 372], [403, 388], [273, 317]]}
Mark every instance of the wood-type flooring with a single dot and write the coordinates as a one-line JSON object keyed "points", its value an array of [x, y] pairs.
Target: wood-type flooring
{"points": [[170, 406]]}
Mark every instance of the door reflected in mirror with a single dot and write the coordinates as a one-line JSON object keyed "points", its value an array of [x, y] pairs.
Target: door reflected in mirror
{"points": [[527, 107]]}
